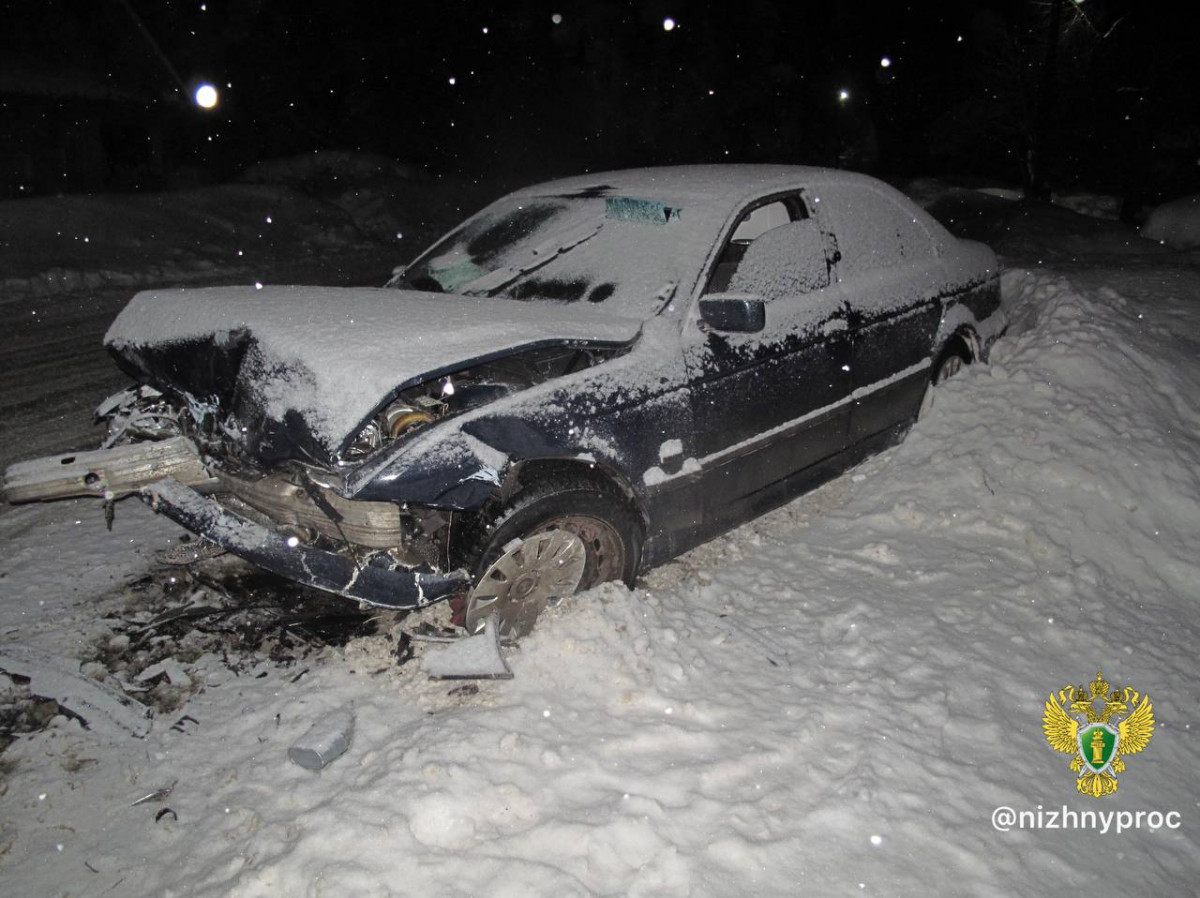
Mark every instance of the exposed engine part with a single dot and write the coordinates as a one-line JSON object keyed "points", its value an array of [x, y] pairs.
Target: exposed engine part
{"points": [[531, 573], [142, 413], [448, 395], [292, 509], [401, 419], [138, 413]]}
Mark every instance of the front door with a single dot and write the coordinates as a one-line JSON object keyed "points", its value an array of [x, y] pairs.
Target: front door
{"points": [[767, 405]]}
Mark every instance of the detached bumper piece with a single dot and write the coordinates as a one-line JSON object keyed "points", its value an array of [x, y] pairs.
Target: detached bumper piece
{"points": [[106, 473], [389, 588]]}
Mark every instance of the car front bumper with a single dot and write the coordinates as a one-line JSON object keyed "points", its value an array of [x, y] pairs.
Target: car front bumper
{"points": [[389, 587]]}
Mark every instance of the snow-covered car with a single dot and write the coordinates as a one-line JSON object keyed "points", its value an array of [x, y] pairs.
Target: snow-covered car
{"points": [[583, 380]]}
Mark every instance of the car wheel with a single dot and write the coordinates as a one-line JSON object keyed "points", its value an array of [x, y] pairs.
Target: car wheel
{"points": [[952, 360], [553, 539]]}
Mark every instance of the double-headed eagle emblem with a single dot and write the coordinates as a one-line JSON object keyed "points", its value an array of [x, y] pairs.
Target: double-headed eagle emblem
{"points": [[1098, 727]]}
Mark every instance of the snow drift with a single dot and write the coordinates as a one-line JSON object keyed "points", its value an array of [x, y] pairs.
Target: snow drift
{"points": [[830, 700], [1176, 223]]}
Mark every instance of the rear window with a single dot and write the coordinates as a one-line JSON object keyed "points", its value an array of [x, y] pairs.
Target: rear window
{"points": [[873, 230]]}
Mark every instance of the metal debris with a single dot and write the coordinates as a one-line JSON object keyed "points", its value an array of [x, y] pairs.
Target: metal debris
{"points": [[156, 795], [325, 740]]}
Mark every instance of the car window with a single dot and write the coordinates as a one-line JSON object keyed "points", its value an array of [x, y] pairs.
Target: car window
{"points": [[758, 221], [873, 230], [771, 255], [785, 261]]}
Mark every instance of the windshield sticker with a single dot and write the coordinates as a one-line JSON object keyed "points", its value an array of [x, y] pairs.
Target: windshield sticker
{"points": [[628, 208]]}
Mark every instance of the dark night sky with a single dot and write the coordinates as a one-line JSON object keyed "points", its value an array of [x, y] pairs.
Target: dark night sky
{"points": [[477, 88]]}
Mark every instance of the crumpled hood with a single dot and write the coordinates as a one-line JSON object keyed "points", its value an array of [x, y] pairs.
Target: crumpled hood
{"points": [[332, 355]]}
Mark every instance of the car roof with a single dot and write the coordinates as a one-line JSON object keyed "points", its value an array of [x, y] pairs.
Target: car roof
{"points": [[705, 185]]}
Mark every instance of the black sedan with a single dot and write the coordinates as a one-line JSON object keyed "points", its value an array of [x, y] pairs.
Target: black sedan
{"points": [[583, 380]]}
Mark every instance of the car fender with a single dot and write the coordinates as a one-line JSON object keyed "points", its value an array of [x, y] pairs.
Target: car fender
{"points": [[975, 315], [612, 415]]}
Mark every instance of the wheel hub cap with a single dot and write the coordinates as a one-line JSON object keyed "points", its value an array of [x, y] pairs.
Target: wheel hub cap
{"points": [[527, 576]]}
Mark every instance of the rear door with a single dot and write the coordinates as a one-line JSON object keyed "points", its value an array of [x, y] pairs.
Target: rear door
{"points": [[888, 271], [772, 403]]}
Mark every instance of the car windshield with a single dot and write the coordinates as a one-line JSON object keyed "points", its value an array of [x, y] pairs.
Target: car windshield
{"points": [[619, 253]]}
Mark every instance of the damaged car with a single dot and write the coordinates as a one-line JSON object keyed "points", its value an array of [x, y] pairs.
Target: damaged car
{"points": [[582, 381]]}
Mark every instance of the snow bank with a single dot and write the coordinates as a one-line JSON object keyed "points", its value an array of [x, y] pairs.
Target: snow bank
{"points": [[389, 202], [1177, 223], [831, 700], [332, 165], [1092, 205], [56, 244]]}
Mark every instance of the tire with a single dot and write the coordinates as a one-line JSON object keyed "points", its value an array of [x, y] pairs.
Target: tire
{"points": [[607, 526], [611, 532], [952, 360]]}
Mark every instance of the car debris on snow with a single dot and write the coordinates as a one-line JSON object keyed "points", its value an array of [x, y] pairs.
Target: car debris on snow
{"points": [[168, 667], [156, 795], [470, 658], [324, 741], [102, 709]]}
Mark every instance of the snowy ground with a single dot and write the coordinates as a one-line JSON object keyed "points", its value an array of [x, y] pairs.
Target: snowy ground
{"points": [[831, 700]]}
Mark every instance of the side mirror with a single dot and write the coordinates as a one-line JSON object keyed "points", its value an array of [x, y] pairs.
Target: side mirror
{"points": [[736, 312]]}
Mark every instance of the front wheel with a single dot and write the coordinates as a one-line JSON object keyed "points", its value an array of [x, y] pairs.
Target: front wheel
{"points": [[555, 538]]}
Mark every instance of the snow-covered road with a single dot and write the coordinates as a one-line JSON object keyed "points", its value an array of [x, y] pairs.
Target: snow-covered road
{"points": [[831, 700]]}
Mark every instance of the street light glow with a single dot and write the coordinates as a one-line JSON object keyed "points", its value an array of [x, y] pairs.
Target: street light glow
{"points": [[205, 96], [843, 95]]}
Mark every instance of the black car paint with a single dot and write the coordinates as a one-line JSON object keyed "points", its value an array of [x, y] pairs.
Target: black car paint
{"points": [[798, 390], [762, 417]]}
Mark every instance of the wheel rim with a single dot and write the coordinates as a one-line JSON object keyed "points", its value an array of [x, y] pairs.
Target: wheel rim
{"points": [[530, 573], [602, 541], [950, 367]]}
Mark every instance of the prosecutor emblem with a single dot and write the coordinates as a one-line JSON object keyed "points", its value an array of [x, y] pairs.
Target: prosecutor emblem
{"points": [[1100, 728]]}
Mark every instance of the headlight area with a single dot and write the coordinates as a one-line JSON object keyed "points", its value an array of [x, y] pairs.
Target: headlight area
{"points": [[303, 503], [447, 395]]}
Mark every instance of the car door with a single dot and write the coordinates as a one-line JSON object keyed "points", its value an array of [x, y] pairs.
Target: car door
{"points": [[770, 403], [887, 271]]}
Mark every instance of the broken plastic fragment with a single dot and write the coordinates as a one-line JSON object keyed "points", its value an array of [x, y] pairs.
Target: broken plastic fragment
{"points": [[102, 709], [471, 658]]}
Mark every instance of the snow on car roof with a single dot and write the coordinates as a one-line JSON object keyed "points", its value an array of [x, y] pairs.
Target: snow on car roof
{"points": [[707, 195], [713, 186]]}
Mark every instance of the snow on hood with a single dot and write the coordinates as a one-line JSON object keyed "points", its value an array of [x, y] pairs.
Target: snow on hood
{"points": [[333, 354]]}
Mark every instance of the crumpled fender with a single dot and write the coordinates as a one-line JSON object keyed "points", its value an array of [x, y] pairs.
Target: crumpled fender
{"points": [[445, 469]]}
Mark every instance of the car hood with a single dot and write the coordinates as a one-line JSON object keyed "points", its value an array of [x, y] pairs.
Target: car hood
{"points": [[323, 359]]}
